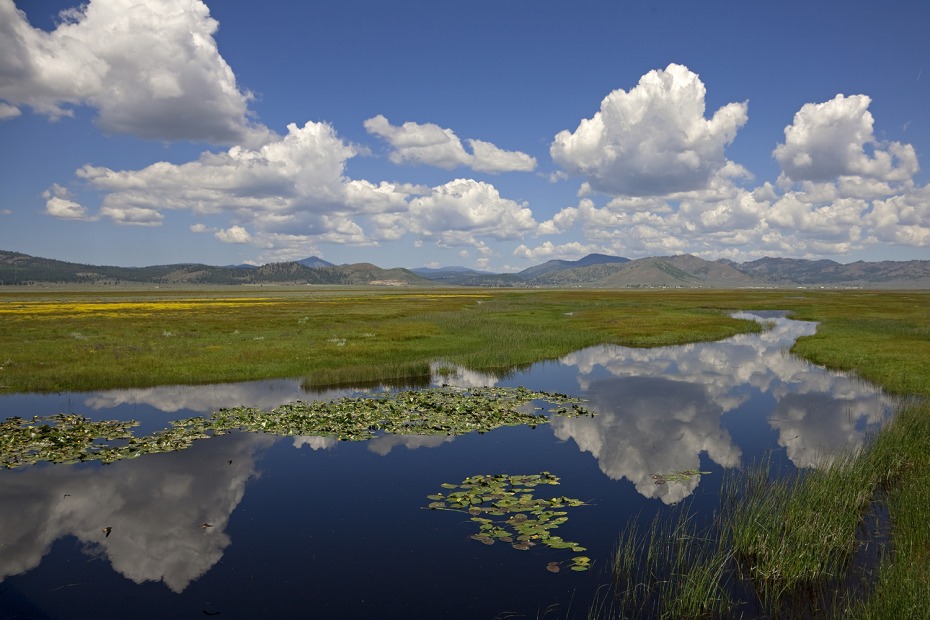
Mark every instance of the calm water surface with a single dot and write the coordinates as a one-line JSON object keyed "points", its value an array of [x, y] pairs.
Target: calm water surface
{"points": [[314, 528]]}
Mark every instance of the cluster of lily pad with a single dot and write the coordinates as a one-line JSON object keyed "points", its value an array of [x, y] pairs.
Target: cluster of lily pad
{"points": [[678, 476], [66, 438], [71, 438], [436, 411], [505, 510]]}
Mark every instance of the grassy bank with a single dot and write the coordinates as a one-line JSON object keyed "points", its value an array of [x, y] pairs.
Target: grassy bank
{"points": [[90, 339], [801, 545]]}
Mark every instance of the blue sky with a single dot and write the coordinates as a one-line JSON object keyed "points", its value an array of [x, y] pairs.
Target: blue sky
{"points": [[489, 134]]}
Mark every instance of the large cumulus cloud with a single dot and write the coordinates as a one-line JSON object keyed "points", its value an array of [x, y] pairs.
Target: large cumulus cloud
{"points": [[653, 139], [292, 185], [150, 69], [829, 140], [840, 189], [469, 206], [293, 193]]}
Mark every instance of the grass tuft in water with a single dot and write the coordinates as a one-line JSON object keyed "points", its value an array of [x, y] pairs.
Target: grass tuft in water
{"points": [[671, 570], [791, 544]]}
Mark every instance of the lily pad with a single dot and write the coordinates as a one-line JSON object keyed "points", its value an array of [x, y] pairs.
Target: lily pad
{"points": [[504, 508], [678, 476]]}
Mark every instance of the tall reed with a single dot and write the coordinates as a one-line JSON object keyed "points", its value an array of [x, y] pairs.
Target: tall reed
{"points": [[671, 570], [789, 544]]}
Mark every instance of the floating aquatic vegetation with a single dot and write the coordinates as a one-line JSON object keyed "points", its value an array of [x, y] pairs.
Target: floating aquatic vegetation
{"points": [[62, 438], [678, 476], [68, 438], [505, 510]]}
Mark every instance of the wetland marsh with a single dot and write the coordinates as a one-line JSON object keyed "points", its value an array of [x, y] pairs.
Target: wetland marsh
{"points": [[262, 509]]}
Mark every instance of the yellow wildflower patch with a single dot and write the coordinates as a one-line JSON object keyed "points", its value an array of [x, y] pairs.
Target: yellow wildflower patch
{"points": [[50, 309]]}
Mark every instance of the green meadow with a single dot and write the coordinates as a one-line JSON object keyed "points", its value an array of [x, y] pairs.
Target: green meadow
{"points": [[787, 536], [93, 341]]}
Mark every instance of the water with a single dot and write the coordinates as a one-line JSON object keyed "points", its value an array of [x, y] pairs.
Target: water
{"points": [[250, 525]]}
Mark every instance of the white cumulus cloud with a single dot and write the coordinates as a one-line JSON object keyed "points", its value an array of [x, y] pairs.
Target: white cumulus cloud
{"points": [[470, 208], [548, 250], [58, 203], [132, 216], [652, 140], [430, 144], [840, 190], [303, 171], [233, 234], [903, 219], [828, 140], [65, 209], [151, 69], [8, 111], [292, 194]]}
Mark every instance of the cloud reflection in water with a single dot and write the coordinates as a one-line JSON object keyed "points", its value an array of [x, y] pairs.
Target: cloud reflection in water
{"points": [[659, 409], [156, 507]]}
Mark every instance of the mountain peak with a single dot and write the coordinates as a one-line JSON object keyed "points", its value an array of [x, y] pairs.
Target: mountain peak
{"points": [[314, 262]]}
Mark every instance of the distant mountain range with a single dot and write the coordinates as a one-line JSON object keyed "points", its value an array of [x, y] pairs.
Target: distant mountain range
{"points": [[592, 271]]}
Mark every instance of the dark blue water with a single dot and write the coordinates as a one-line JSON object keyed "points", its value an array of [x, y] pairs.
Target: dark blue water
{"points": [[249, 526]]}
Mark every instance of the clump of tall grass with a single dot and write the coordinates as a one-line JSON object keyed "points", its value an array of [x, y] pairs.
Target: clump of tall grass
{"points": [[800, 532], [794, 535], [902, 589], [671, 570], [789, 543]]}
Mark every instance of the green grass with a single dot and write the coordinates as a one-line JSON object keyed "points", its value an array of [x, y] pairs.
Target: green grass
{"points": [[903, 584], [671, 570], [788, 544], [98, 341], [794, 537]]}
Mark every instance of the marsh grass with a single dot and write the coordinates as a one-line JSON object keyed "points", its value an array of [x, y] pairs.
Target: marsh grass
{"points": [[807, 543], [671, 570], [902, 589], [793, 536], [331, 337]]}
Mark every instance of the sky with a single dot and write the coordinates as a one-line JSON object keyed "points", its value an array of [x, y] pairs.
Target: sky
{"points": [[488, 134]]}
